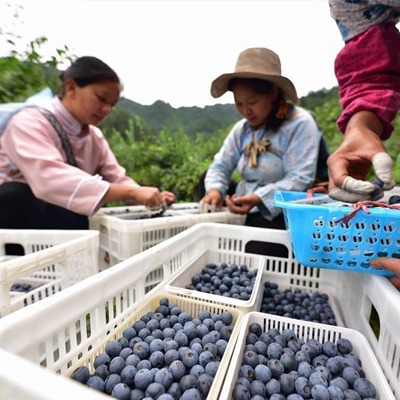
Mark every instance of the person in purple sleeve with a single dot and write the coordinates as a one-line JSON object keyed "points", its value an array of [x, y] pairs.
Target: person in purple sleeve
{"points": [[56, 168], [368, 73]]}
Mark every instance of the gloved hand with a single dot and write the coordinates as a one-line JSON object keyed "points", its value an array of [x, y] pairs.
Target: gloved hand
{"points": [[354, 190]]}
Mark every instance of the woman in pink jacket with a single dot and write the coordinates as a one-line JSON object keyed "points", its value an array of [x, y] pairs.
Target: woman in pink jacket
{"points": [[56, 168]]}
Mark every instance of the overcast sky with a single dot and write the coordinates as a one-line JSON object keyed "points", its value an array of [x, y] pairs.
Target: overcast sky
{"points": [[172, 50]]}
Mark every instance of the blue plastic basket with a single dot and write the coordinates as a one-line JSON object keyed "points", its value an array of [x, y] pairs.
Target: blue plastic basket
{"points": [[349, 246]]}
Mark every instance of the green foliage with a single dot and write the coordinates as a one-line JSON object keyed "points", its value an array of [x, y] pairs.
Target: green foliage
{"points": [[170, 161], [316, 99]]}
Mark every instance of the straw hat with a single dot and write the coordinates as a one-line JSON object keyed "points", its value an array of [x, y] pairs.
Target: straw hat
{"points": [[256, 63]]}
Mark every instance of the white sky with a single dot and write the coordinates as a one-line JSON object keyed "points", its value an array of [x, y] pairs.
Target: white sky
{"points": [[173, 50]]}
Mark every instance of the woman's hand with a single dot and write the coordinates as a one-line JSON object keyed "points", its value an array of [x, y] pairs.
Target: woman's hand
{"points": [[148, 196], [213, 198], [391, 264], [169, 197], [242, 205]]}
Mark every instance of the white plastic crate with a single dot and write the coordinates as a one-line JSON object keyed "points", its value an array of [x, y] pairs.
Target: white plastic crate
{"points": [[177, 284], [306, 331], [286, 281], [355, 294], [53, 260], [121, 236], [78, 341]]}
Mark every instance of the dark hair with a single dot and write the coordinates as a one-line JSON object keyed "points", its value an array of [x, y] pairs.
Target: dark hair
{"points": [[88, 70], [261, 86]]}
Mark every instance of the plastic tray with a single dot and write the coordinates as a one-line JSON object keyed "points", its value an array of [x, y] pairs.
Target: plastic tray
{"points": [[54, 260], [319, 242], [63, 352], [306, 331], [285, 281], [121, 238], [177, 284]]}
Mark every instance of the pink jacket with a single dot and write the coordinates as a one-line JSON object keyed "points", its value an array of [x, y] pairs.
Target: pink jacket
{"points": [[31, 152], [368, 72]]}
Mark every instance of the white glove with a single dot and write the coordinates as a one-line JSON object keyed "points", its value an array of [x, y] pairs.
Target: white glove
{"points": [[354, 190]]}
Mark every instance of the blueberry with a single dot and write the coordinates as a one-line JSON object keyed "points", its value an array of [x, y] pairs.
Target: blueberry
{"points": [[165, 396], [364, 388], [128, 375], [164, 378], [149, 339], [320, 361], [110, 382], [274, 351], [184, 317], [277, 396], [175, 391], [134, 341], [276, 367], [294, 374], [204, 384], [303, 387], [344, 346], [113, 348], [143, 333], [329, 349], [226, 332], [181, 339], [350, 375], [143, 378], [262, 373], [250, 358], [137, 326], [289, 362], [154, 390], [190, 358], [212, 368], [170, 344], [171, 356], [101, 359], [197, 370], [212, 348], [133, 360], [273, 387], [177, 369], [335, 393], [142, 350], [157, 359], [335, 365], [266, 338], [319, 392], [102, 372], [191, 394], [121, 391], [247, 372], [317, 378], [188, 382], [197, 347], [95, 382], [305, 369], [340, 383], [351, 394], [205, 358], [124, 342], [137, 394], [82, 374], [125, 353]]}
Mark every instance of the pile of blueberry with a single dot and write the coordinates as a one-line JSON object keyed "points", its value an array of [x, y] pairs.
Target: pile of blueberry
{"points": [[297, 304], [166, 355], [280, 366], [21, 287], [225, 280]]}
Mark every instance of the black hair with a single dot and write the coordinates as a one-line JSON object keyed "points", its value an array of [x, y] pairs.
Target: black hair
{"points": [[261, 86], [88, 70]]}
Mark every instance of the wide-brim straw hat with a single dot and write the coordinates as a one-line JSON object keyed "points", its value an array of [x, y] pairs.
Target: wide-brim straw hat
{"points": [[256, 63]]}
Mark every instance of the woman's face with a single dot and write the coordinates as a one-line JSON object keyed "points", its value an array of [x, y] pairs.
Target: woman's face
{"points": [[92, 103], [253, 106]]}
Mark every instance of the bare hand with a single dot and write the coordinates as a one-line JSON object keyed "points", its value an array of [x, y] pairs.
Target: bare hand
{"points": [[148, 196], [214, 199], [243, 204], [351, 162], [169, 197], [391, 264]]}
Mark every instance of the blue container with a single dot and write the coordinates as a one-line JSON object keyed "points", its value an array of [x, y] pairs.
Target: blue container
{"points": [[319, 242]]}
